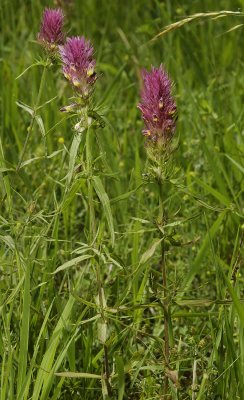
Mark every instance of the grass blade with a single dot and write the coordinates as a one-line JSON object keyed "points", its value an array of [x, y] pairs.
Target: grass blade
{"points": [[103, 197]]}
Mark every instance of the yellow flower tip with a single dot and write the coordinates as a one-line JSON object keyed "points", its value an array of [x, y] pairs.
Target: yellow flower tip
{"points": [[61, 140], [160, 104], [90, 72], [155, 119], [147, 133], [67, 76], [76, 83]]}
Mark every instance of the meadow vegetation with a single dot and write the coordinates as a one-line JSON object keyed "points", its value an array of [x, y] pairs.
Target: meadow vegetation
{"points": [[82, 302]]}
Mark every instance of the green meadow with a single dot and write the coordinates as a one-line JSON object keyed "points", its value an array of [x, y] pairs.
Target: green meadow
{"points": [[82, 295]]}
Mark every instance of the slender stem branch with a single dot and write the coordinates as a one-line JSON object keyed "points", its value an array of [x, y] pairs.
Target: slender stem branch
{"points": [[92, 235], [166, 307], [92, 222], [32, 118], [107, 373], [165, 290], [103, 317]]}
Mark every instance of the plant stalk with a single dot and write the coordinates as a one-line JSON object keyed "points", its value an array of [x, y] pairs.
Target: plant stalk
{"points": [[165, 291], [105, 347], [92, 236]]}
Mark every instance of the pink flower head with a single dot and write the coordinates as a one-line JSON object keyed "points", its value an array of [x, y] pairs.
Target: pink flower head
{"points": [[79, 64], [157, 106], [51, 34]]}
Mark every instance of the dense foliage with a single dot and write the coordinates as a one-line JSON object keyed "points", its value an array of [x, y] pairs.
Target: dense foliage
{"points": [[81, 278]]}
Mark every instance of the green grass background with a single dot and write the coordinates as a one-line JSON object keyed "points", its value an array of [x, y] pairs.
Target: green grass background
{"points": [[52, 322]]}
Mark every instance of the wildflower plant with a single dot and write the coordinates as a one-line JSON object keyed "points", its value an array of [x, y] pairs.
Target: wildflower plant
{"points": [[50, 36], [85, 311], [159, 113], [75, 56], [51, 31], [157, 106], [78, 65]]}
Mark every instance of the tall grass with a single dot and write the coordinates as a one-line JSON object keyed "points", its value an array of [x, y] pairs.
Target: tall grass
{"points": [[70, 226]]}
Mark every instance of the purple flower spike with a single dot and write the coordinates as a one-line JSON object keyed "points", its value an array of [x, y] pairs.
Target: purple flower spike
{"points": [[157, 106], [79, 65], [51, 34]]}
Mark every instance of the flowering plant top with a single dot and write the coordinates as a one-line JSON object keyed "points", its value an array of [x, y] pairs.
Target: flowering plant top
{"points": [[157, 106], [79, 65], [51, 32]]}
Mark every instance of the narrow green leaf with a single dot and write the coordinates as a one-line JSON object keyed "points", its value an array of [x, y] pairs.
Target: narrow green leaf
{"points": [[73, 155], [30, 66], [121, 376], [222, 199], [8, 240], [72, 193], [40, 123], [72, 263], [103, 197], [101, 331], [235, 163], [125, 196], [238, 305], [85, 375], [13, 293], [25, 388], [150, 252], [25, 107], [24, 332], [34, 159], [6, 170], [195, 267], [48, 358]]}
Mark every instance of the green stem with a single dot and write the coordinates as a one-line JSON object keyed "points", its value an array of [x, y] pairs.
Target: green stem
{"points": [[29, 131], [165, 290], [92, 236], [103, 317], [92, 221], [107, 373]]}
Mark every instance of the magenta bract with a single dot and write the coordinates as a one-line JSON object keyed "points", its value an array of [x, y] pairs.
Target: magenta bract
{"points": [[79, 64], [51, 31], [157, 106]]}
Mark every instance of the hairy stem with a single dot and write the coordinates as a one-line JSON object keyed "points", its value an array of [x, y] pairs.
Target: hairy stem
{"points": [[166, 315], [92, 236], [165, 290]]}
